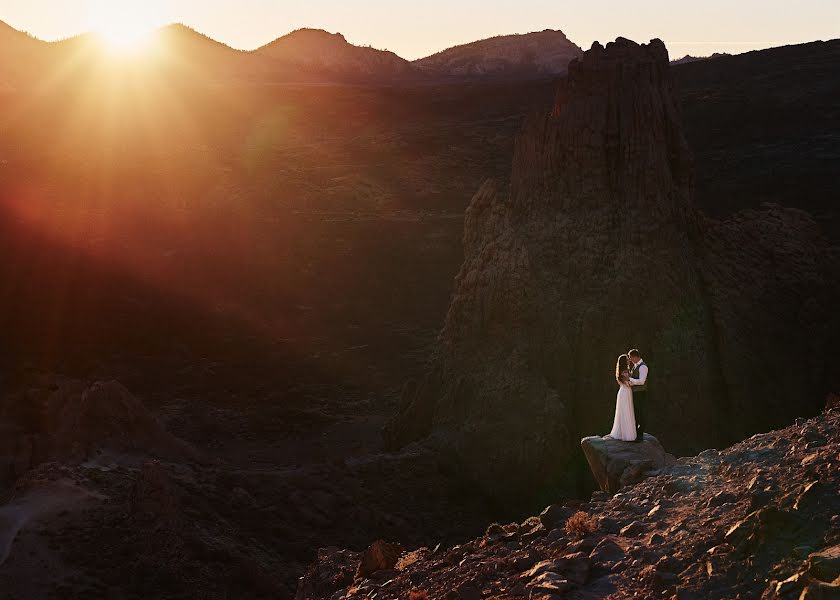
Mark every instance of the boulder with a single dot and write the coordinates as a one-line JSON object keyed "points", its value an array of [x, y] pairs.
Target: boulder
{"points": [[616, 464], [825, 565], [555, 515], [333, 570], [378, 557]]}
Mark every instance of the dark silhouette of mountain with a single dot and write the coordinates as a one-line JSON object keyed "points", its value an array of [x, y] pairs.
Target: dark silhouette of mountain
{"points": [[689, 59], [764, 126], [538, 54], [20, 57], [315, 53]]}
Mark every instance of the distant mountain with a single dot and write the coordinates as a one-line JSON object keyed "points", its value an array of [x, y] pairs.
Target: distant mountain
{"points": [[312, 55], [690, 59], [508, 56], [25, 52], [197, 55], [318, 53]]}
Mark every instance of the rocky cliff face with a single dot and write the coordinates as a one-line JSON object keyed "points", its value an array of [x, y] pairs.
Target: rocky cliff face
{"points": [[758, 519], [595, 247], [540, 53]]}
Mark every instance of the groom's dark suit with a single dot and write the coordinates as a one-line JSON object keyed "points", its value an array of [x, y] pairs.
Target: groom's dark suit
{"points": [[639, 399]]}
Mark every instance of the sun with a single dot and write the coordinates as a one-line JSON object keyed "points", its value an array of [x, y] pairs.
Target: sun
{"points": [[125, 25]]}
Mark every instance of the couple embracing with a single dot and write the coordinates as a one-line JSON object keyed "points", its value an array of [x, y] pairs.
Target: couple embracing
{"points": [[631, 374]]}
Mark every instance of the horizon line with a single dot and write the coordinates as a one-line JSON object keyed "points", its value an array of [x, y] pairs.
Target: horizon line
{"points": [[262, 45], [764, 45]]}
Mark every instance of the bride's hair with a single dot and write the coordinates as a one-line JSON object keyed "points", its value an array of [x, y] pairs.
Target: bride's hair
{"points": [[622, 369]]}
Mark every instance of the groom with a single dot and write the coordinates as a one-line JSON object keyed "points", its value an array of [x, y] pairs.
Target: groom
{"points": [[638, 381]]}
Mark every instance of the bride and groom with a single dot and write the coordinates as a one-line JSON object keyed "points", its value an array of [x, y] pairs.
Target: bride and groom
{"points": [[631, 374]]}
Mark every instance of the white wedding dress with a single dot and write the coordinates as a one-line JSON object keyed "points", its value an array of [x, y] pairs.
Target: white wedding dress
{"points": [[624, 424]]}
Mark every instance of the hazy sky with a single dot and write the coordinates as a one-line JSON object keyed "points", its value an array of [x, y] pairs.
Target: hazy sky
{"points": [[417, 28]]}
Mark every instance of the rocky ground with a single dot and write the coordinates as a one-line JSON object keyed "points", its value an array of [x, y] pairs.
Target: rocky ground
{"points": [[758, 519], [98, 499]]}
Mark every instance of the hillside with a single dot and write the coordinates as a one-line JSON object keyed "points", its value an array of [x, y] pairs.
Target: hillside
{"points": [[758, 519], [765, 127], [21, 56], [310, 55], [539, 54], [314, 53]]}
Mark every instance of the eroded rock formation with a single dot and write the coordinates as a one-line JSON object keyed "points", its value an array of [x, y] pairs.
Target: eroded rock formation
{"points": [[66, 420], [595, 247]]}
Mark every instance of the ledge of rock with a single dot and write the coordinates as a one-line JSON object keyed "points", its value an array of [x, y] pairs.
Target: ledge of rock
{"points": [[616, 464]]}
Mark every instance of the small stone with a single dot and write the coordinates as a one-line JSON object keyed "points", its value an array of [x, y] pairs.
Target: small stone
{"points": [[379, 556], [549, 583], [609, 525], [664, 579], [468, 591], [632, 530], [574, 567], [810, 496], [555, 515], [606, 552], [527, 561], [825, 565], [760, 499]]}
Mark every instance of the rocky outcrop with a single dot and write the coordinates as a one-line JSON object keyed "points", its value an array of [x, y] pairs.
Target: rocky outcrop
{"points": [[380, 556], [66, 420], [595, 247], [541, 53], [759, 519], [616, 464]]}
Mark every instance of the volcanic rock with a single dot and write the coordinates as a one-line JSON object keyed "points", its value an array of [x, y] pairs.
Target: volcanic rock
{"points": [[107, 415], [825, 565], [154, 495], [615, 463], [594, 247], [379, 556], [305, 51], [539, 53], [692, 547], [65, 420]]}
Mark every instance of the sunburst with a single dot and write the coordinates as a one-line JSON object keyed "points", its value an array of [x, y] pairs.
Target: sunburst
{"points": [[125, 25]]}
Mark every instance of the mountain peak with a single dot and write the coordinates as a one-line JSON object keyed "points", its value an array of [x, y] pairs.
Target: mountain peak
{"points": [[542, 53], [316, 50], [306, 38]]}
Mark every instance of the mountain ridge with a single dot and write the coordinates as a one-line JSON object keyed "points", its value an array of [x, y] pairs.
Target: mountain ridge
{"points": [[546, 52]]}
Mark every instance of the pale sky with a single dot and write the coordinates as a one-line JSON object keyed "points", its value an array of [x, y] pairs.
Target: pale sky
{"points": [[418, 28]]}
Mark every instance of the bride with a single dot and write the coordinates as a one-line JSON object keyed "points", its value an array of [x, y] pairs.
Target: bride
{"points": [[624, 425]]}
